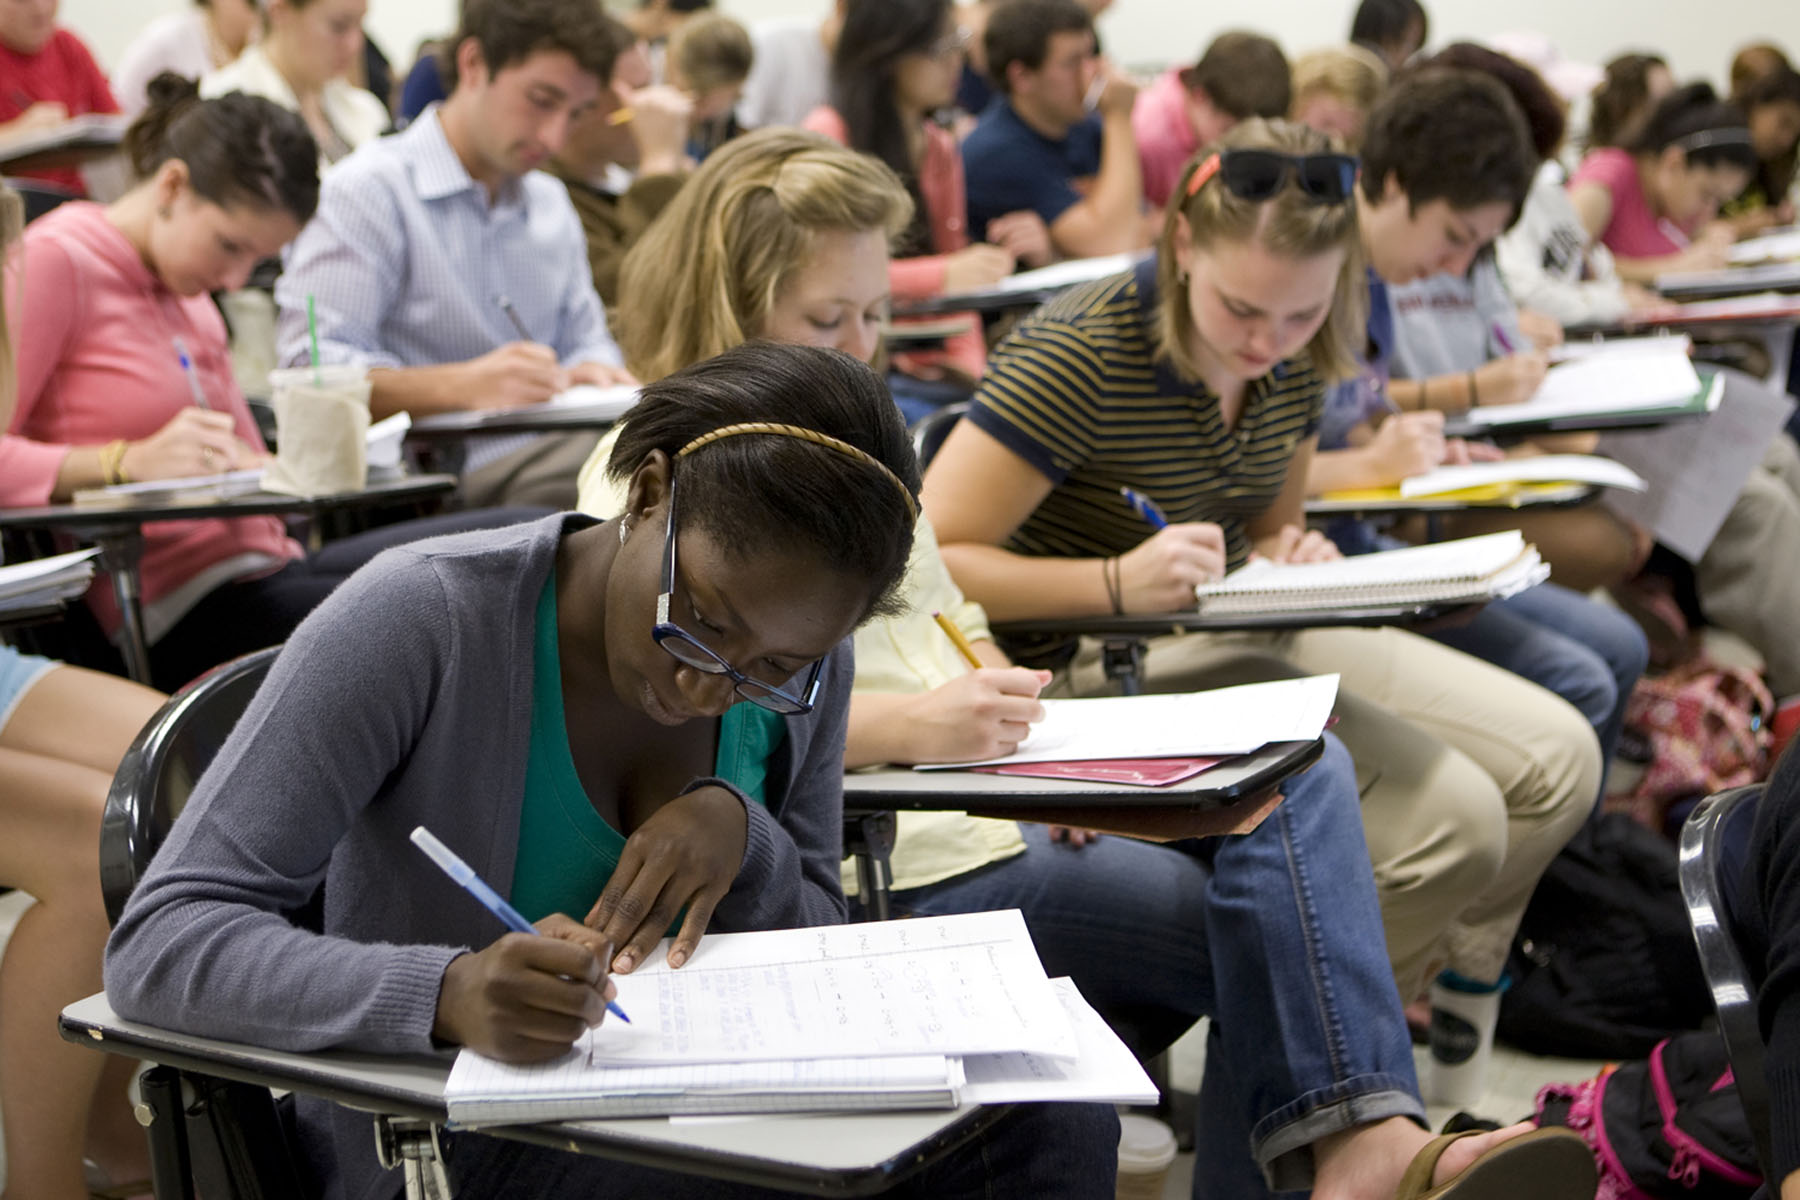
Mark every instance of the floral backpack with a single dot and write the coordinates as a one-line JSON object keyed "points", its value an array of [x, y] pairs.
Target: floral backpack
{"points": [[1706, 728]]}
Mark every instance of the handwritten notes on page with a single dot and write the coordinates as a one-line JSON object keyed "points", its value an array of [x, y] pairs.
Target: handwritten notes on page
{"points": [[969, 984]]}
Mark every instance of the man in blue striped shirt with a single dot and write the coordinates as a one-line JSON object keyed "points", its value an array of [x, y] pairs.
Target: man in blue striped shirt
{"points": [[445, 262]]}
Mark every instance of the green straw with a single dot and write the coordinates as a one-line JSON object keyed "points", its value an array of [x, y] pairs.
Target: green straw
{"points": [[312, 331]]}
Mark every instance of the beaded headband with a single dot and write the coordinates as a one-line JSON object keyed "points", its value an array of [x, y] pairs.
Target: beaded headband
{"points": [[806, 435]]}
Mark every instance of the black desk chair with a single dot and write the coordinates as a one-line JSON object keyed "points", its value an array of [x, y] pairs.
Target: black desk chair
{"points": [[228, 1138], [928, 433], [1720, 821], [39, 197]]}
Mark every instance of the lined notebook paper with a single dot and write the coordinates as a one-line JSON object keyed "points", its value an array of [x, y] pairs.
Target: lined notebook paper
{"points": [[1466, 570], [969, 984], [44, 581]]}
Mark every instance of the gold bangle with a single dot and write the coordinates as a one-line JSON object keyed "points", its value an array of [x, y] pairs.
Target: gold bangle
{"points": [[112, 462]]}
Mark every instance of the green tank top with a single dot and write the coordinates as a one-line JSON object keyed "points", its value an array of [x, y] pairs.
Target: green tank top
{"points": [[567, 852]]}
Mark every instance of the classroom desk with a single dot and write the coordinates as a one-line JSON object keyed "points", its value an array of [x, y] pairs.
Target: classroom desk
{"points": [[1123, 637], [447, 434], [1461, 426], [30, 614], [1730, 281], [1435, 508], [1229, 798], [850, 1154], [1767, 318], [74, 144], [119, 534]]}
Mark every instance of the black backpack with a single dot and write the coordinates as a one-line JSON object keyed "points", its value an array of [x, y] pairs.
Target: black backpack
{"points": [[1604, 965], [1665, 1126]]}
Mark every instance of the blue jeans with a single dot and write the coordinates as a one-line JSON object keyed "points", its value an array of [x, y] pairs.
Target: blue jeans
{"points": [[1275, 934], [1057, 1151], [1587, 653]]}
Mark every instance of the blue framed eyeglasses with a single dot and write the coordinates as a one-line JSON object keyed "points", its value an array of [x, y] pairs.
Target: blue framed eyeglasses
{"points": [[684, 647]]}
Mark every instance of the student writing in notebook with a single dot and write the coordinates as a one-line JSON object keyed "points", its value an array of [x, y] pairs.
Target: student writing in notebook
{"points": [[1442, 328], [63, 731], [1652, 200], [1151, 935], [1198, 379], [637, 724], [894, 69], [419, 237], [118, 336], [1446, 158]]}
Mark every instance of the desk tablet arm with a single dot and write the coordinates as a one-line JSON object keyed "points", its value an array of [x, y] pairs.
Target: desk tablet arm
{"points": [[413, 1146]]}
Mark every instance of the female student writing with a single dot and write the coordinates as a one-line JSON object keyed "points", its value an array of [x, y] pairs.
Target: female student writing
{"points": [[1652, 198], [895, 67], [63, 731], [1150, 934], [610, 722], [118, 336], [306, 47], [1197, 379]]}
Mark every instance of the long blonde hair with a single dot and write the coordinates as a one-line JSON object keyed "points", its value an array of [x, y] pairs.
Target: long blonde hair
{"points": [[704, 276], [1289, 224]]}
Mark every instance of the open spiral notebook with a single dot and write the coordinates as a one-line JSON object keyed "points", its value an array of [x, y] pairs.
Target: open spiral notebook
{"points": [[1464, 571]]}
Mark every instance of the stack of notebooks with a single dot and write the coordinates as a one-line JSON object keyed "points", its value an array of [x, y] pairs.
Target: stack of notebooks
{"points": [[1464, 571], [925, 1013], [45, 582]]}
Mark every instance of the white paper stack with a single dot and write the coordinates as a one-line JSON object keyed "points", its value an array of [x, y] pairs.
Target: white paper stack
{"points": [[46, 581], [1465, 571], [1777, 245], [925, 1013], [1058, 276], [1217, 723]]}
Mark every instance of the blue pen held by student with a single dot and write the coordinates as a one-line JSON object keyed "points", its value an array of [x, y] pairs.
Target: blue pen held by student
{"points": [[1145, 507], [464, 875]]}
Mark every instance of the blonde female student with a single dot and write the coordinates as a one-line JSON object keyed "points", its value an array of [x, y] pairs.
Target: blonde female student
{"points": [[63, 731], [1198, 379], [791, 232]]}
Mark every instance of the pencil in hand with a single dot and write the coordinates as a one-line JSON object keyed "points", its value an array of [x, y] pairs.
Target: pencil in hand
{"points": [[958, 640]]}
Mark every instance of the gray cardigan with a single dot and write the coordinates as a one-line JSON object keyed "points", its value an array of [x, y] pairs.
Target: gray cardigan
{"points": [[405, 699]]}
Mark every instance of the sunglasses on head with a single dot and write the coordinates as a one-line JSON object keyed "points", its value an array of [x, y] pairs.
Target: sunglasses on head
{"points": [[1257, 175]]}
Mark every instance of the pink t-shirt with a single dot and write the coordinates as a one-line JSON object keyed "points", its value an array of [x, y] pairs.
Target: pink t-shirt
{"points": [[1165, 137], [94, 337], [1633, 231]]}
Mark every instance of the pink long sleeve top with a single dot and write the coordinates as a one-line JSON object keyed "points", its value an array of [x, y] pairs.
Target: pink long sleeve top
{"points": [[947, 212], [94, 332]]}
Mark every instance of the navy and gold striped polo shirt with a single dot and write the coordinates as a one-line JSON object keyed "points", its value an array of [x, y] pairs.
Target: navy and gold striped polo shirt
{"points": [[1077, 393]]}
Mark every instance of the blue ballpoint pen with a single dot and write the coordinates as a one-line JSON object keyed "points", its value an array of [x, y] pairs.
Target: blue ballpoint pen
{"points": [[1145, 507], [464, 875], [187, 368]]}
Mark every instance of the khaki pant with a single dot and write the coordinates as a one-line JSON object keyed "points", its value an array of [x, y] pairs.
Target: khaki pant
{"points": [[1747, 579], [542, 473], [1472, 778]]}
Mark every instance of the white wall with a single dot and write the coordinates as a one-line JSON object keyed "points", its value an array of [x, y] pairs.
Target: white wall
{"points": [[1697, 36]]}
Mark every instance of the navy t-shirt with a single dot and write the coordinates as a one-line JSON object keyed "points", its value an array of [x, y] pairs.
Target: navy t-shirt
{"points": [[1009, 166]]}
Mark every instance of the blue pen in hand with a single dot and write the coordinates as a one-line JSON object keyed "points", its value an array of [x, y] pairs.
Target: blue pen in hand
{"points": [[464, 875], [1145, 507], [193, 379]]}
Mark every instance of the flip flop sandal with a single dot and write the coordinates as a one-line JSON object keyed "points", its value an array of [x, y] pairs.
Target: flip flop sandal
{"points": [[1545, 1164]]}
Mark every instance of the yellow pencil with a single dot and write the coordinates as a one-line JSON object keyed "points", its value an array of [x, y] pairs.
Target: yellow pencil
{"points": [[956, 636], [619, 116]]}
